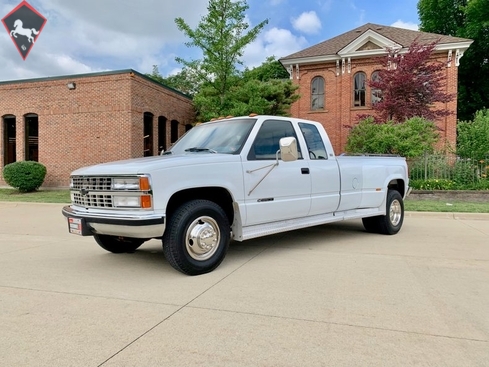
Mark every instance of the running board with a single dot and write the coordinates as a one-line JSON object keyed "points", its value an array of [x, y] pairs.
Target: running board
{"points": [[265, 229]]}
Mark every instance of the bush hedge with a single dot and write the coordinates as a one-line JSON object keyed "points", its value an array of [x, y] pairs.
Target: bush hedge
{"points": [[26, 176]]}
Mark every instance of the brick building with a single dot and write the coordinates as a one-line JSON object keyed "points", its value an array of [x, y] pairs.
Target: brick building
{"points": [[72, 121], [332, 76]]}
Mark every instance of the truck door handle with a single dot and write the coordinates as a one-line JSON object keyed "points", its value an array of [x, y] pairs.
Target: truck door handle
{"points": [[305, 171]]}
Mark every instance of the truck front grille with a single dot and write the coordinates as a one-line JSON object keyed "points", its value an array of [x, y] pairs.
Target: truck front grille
{"points": [[91, 183], [92, 200]]}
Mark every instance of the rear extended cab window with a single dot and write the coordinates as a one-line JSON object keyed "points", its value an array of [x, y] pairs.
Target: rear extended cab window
{"points": [[314, 142]]}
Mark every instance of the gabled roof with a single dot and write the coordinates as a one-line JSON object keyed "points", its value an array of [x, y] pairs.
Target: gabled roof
{"points": [[372, 39]]}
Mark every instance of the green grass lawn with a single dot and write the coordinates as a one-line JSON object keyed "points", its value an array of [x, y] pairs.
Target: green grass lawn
{"points": [[63, 196], [41, 196], [444, 206]]}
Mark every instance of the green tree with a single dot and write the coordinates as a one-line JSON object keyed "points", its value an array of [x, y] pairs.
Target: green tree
{"points": [[222, 36], [467, 19], [269, 70], [271, 97], [184, 81], [473, 137], [265, 89], [445, 17]]}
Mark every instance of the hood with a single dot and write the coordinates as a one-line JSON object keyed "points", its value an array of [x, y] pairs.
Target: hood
{"points": [[148, 165]]}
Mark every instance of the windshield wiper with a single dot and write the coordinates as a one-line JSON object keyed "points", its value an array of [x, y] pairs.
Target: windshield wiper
{"points": [[168, 152], [197, 149]]}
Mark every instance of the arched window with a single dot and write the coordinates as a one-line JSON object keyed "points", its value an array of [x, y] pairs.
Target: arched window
{"points": [[359, 89], [317, 93], [161, 133], [376, 94], [174, 131], [148, 134], [31, 137], [9, 139]]}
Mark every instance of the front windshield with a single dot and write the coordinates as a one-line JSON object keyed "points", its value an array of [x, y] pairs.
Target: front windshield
{"points": [[226, 136]]}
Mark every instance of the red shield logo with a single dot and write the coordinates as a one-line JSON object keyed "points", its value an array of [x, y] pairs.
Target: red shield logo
{"points": [[24, 25]]}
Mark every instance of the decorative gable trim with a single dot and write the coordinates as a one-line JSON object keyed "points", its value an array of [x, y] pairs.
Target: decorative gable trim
{"points": [[363, 45]]}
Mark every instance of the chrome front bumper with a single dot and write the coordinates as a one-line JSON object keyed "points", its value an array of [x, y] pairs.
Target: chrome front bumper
{"points": [[143, 226]]}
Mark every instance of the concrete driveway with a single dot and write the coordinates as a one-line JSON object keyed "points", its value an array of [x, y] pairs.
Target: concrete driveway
{"points": [[331, 295]]}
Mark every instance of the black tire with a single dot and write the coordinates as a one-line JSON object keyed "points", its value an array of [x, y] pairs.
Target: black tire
{"points": [[197, 237], [371, 224], [390, 223], [118, 245]]}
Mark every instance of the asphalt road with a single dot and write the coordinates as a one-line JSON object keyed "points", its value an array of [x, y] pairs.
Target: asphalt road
{"points": [[331, 295]]}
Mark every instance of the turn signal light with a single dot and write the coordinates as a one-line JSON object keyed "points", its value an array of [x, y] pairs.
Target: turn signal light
{"points": [[144, 183], [146, 201]]}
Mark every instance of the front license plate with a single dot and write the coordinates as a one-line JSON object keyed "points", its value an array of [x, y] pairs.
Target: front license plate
{"points": [[75, 226]]}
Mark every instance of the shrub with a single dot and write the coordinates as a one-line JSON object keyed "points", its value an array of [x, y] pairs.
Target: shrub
{"points": [[473, 137], [432, 184], [465, 172], [26, 176], [409, 139], [430, 166]]}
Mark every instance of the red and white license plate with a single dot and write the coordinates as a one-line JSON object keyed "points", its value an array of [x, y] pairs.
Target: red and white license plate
{"points": [[75, 226]]}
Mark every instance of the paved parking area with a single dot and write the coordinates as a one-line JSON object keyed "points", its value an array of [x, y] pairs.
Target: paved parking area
{"points": [[331, 295]]}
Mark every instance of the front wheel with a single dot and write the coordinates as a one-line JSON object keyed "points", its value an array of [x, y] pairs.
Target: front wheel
{"points": [[197, 237], [390, 223], [118, 245]]}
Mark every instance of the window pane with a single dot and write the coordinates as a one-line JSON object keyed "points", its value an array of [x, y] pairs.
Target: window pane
{"points": [[315, 144], [317, 93], [376, 94], [266, 143], [32, 138], [359, 89], [9, 140], [221, 136]]}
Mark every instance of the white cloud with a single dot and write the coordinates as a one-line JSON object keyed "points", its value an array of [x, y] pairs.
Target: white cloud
{"points": [[307, 22], [405, 25], [95, 35], [273, 42]]}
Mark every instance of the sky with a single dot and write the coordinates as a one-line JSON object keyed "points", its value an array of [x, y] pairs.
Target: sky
{"points": [[85, 36]]}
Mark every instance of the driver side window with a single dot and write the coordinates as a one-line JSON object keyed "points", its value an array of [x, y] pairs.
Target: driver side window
{"points": [[266, 143]]}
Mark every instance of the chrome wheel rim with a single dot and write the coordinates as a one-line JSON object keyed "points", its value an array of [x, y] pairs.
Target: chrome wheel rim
{"points": [[395, 212], [202, 238]]}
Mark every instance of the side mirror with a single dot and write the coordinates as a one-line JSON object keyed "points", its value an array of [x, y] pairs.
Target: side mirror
{"points": [[288, 149]]}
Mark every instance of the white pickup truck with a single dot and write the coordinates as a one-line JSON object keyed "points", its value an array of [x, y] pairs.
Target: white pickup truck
{"points": [[236, 178]]}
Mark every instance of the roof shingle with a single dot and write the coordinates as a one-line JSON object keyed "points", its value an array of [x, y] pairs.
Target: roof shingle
{"points": [[403, 37]]}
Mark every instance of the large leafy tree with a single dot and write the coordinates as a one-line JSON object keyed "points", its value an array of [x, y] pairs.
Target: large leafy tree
{"points": [[410, 85], [468, 19], [183, 81], [270, 69], [222, 36], [265, 89], [445, 17]]}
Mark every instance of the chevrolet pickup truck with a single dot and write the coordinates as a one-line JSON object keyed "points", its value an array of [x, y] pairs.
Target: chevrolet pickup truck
{"points": [[236, 178]]}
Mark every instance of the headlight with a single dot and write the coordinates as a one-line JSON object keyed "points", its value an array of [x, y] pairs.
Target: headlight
{"points": [[125, 183], [127, 201]]}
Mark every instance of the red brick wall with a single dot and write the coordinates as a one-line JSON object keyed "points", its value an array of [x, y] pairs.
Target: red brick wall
{"points": [[100, 121], [339, 112]]}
